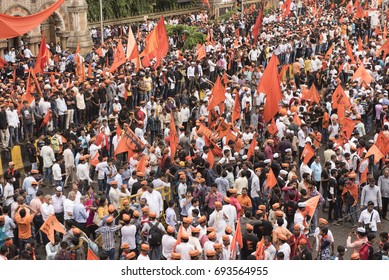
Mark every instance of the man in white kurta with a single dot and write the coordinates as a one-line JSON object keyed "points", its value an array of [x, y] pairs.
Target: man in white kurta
{"points": [[218, 219], [154, 200]]}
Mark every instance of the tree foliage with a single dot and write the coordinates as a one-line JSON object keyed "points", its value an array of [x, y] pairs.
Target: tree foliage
{"points": [[192, 35]]}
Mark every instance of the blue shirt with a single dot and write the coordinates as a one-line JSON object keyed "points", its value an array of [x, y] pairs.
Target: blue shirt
{"points": [[79, 213], [316, 171]]}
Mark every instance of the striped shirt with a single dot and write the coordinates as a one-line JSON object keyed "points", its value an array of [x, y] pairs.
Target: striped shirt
{"points": [[108, 236]]}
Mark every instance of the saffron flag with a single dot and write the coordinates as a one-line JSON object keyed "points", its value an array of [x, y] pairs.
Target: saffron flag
{"points": [[46, 119], [257, 26], [329, 52], [362, 75], [307, 153], [384, 48], [157, 44], [211, 159], [271, 179], [173, 137], [237, 239], [297, 120], [201, 53], [2, 62], [253, 144], [43, 58], [50, 226], [283, 72], [363, 178], [349, 51], [305, 93], [132, 50], [272, 127], [206, 2], [259, 253], [382, 142], [347, 128], [119, 57], [236, 109], [360, 44], [315, 98], [311, 205], [287, 8], [27, 95], [129, 142], [374, 151], [14, 26], [270, 85], [218, 94], [141, 167], [91, 256], [340, 97]]}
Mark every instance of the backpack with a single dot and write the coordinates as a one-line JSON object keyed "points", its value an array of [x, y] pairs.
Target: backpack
{"points": [[55, 145], [377, 256], [364, 251], [155, 234]]}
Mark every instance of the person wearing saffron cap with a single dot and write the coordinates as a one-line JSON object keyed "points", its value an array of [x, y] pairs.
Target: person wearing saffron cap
{"points": [[128, 233], [303, 253], [283, 246], [194, 255], [316, 242], [168, 242], [212, 197], [107, 231], [295, 239], [249, 242], [218, 219], [184, 247], [153, 232], [231, 212]]}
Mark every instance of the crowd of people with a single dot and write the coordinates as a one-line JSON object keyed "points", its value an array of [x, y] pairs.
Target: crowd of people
{"points": [[235, 186]]}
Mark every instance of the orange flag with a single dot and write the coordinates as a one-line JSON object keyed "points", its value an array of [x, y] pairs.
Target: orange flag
{"points": [[173, 137], [272, 127], [340, 97], [43, 58], [50, 226], [305, 93], [129, 142], [157, 45], [362, 75], [360, 44], [46, 119], [27, 95], [297, 120], [315, 98], [377, 31], [253, 144], [349, 51], [218, 94], [287, 8], [363, 178], [238, 238], [201, 53], [329, 52], [341, 113], [90, 75], [384, 48], [37, 86], [347, 128], [119, 57], [270, 85], [374, 151], [211, 159], [132, 50], [95, 160], [271, 179], [236, 109], [257, 26], [259, 253], [225, 79], [283, 72], [141, 167], [91, 256], [382, 143], [307, 153], [311, 205], [178, 241]]}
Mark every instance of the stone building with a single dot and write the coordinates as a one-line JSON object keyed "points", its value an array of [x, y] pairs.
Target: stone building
{"points": [[67, 26]]}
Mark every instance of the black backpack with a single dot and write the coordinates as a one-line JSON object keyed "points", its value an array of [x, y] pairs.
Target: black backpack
{"points": [[155, 234]]}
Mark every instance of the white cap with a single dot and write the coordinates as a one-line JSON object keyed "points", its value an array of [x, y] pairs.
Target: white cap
{"points": [[244, 157], [267, 161], [302, 204], [256, 148], [58, 189], [361, 230], [236, 154], [284, 172], [275, 155], [232, 158], [289, 150]]}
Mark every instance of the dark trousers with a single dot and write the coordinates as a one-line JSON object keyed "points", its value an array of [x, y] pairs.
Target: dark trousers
{"points": [[38, 222], [385, 202]]}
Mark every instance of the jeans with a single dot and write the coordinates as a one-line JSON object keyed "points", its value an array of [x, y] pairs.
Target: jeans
{"points": [[155, 253], [13, 135], [351, 211], [385, 202], [111, 253], [256, 203], [48, 174], [101, 184]]}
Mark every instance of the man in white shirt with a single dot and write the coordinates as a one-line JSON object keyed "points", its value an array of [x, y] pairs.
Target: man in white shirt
{"points": [[8, 190], [114, 198], [370, 218], [184, 247], [83, 173], [27, 53], [68, 205], [57, 201], [69, 164], [47, 154], [57, 174], [154, 199], [231, 213], [128, 232], [101, 167], [13, 124], [47, 208], [168, 242]]}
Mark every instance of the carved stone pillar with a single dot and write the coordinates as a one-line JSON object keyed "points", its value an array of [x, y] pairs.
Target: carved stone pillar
{"points": [[3, 47], [78, 27], [33, 42], [63, 37]]}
